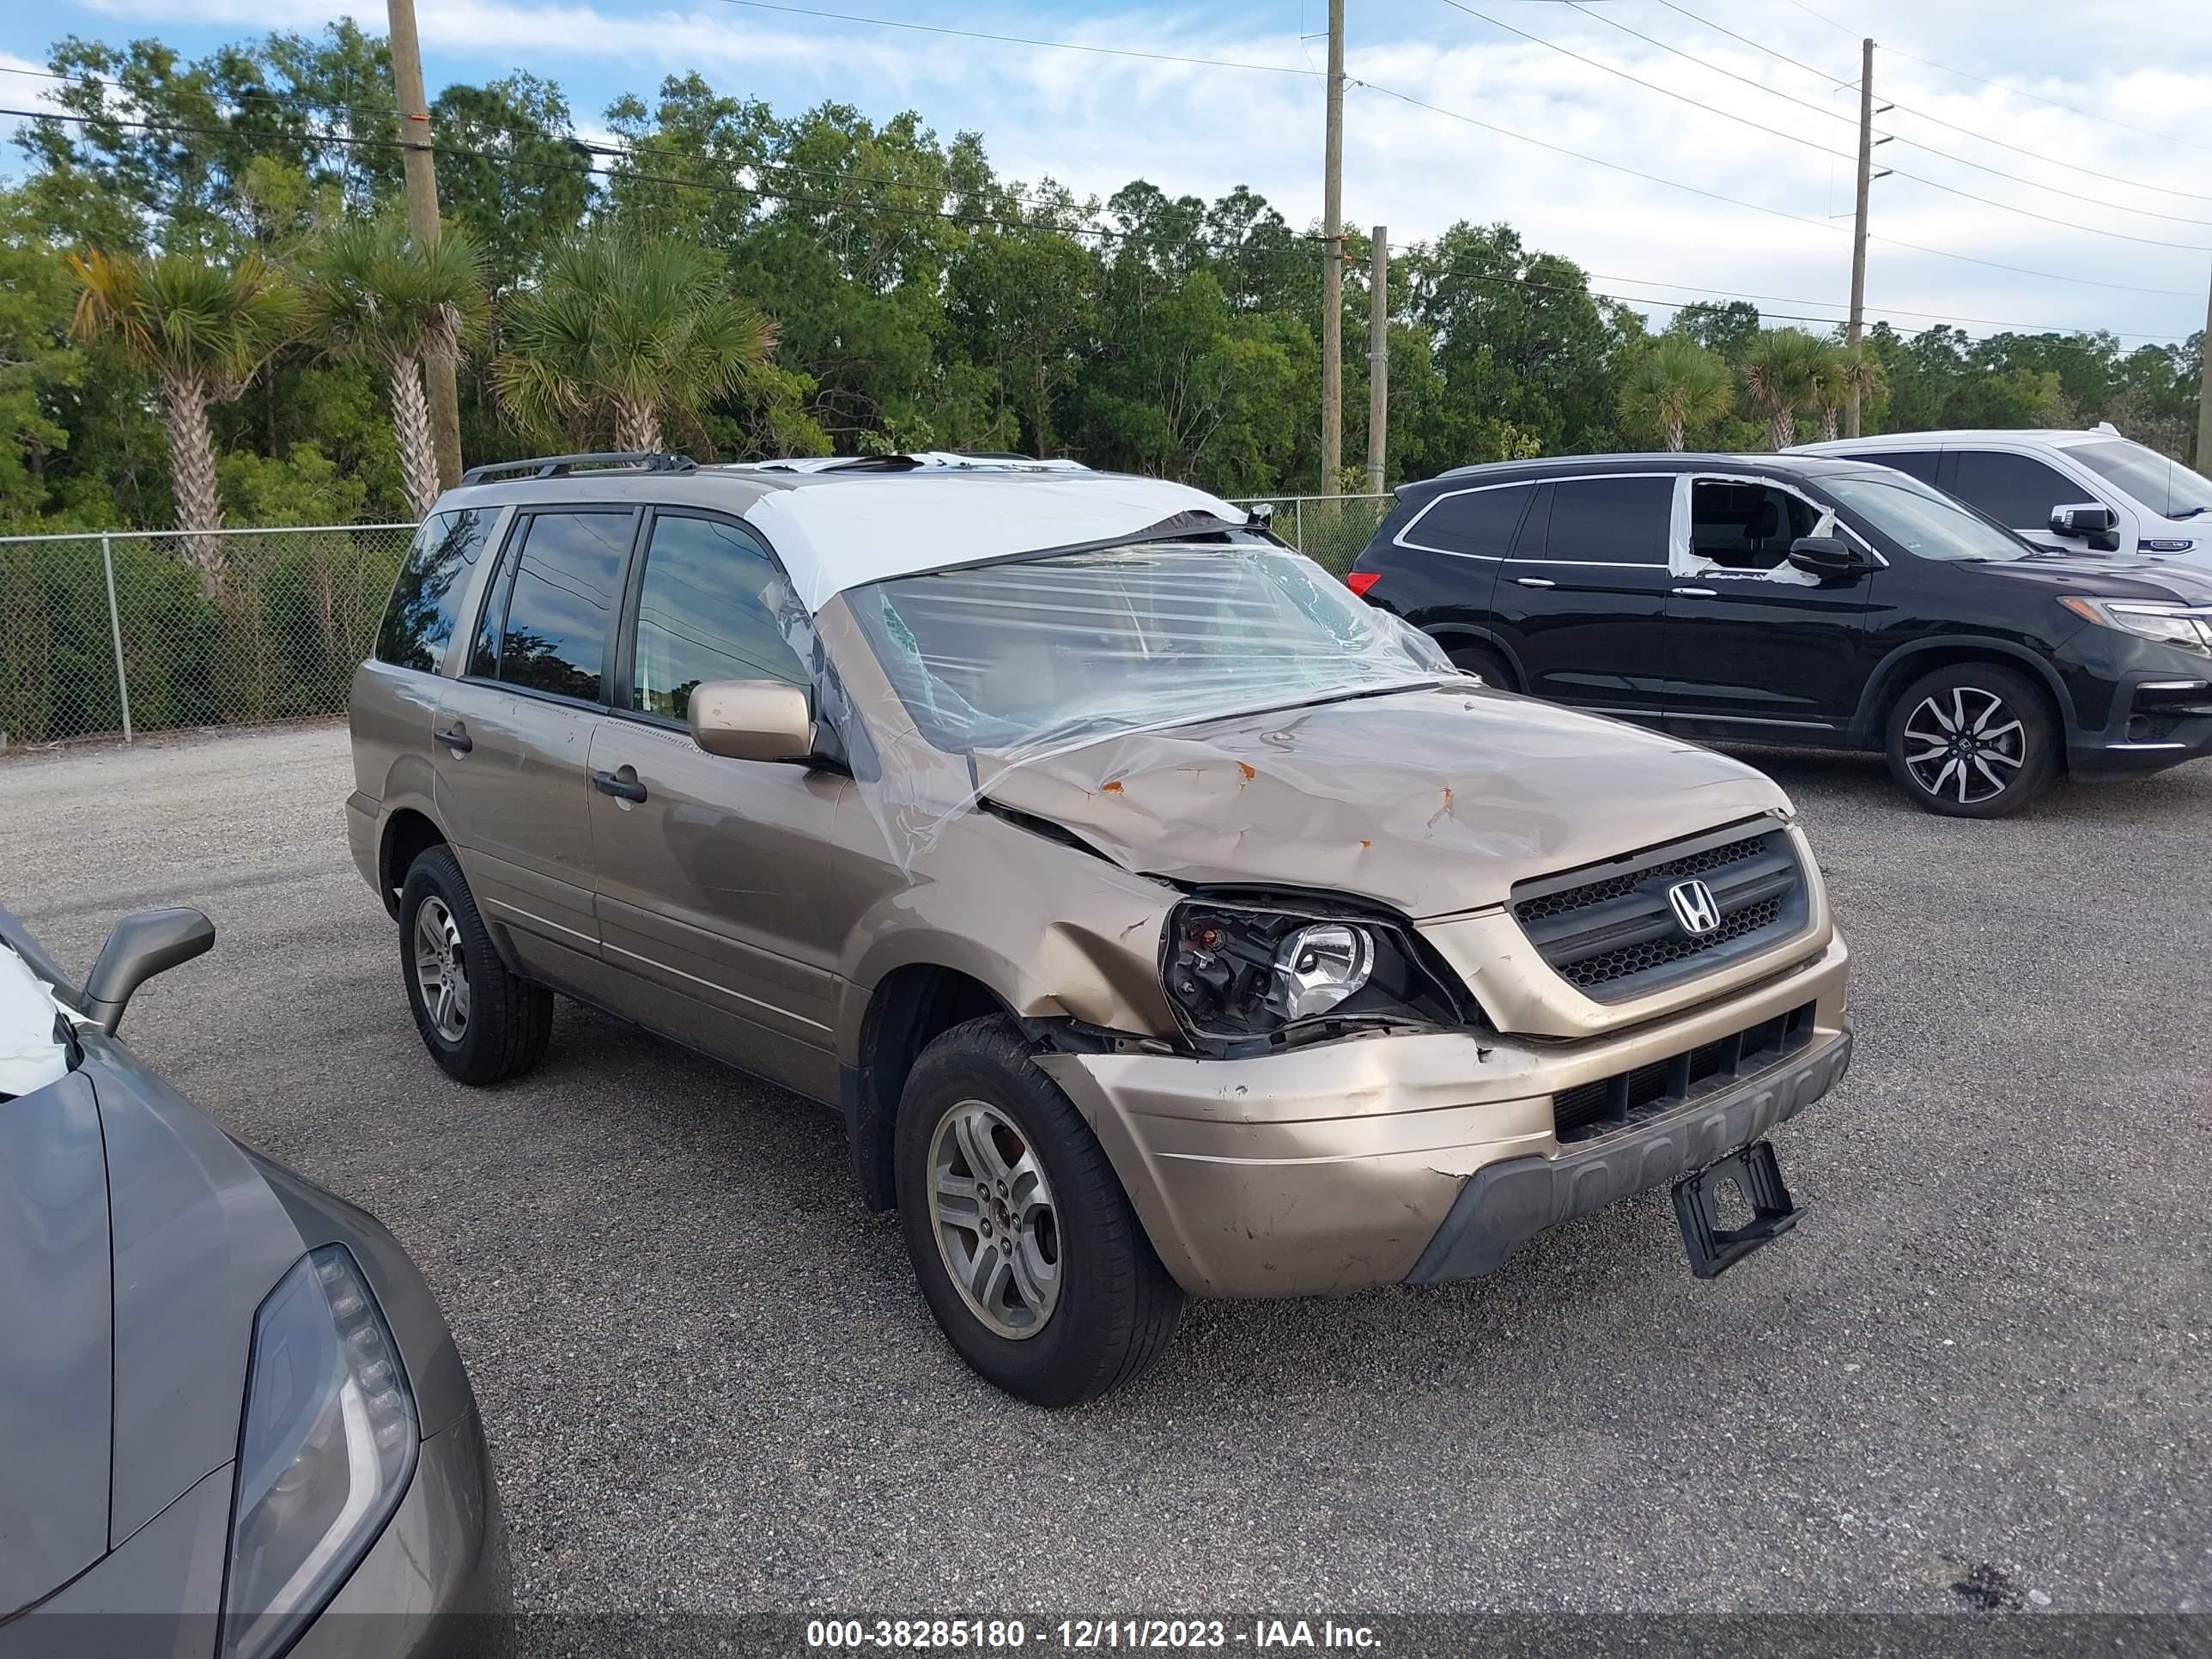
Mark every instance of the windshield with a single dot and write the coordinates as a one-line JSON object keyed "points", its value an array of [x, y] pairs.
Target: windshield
{"points": [[1922, 519], [2164, 486], [1027, 655]]}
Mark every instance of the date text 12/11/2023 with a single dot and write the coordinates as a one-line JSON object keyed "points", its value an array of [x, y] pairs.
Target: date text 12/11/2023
{"points": [[992, 1635]]}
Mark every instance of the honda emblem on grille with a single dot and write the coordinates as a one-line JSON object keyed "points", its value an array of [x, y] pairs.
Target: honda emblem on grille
{"points": [[1694, 907]]}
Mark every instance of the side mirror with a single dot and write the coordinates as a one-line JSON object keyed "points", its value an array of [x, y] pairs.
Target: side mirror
{"points": [[753, 720], [1831, 558], [2089, 518], [143, 943]]}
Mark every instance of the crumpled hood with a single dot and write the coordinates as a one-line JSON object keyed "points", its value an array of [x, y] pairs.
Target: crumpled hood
{"points": [[1432, 801]]}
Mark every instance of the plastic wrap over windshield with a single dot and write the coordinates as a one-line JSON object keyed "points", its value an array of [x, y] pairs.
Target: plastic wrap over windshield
{"points": [[999, 665]]}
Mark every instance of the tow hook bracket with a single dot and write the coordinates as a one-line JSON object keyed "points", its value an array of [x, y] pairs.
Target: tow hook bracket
{"points": [[1755, 1173]]}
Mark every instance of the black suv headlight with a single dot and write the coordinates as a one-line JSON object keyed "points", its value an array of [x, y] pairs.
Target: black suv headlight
{"points": [[326, 1452], [1238, 971], [2189, 626]]}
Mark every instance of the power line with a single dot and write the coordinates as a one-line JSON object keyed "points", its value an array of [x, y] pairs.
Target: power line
{"points": [[1759, 207], [1925, 148], [1024, 40], [1892, 311], [631, 174], [1953, 126], [2087, 115], [1814, 144]]}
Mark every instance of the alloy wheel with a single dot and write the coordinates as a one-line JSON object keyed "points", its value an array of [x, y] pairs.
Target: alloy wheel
{"points": [[1967, 744], [442, 969], [992, 1210]]}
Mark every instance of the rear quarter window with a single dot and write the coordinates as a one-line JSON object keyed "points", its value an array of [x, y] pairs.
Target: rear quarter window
{"points": [[1480, 522], [418, 623]]}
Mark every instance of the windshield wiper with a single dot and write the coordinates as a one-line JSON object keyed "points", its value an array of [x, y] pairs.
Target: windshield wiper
{"points": [[2186, 512]]}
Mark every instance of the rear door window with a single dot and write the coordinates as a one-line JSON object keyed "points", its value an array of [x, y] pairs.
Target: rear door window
{"points": [[551, 610], [1480, 522], [418, 623], [2014, 489], [1610, 521]]}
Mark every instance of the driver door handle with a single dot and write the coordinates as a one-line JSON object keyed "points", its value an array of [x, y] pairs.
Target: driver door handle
{"points": [[1534, 582], [621, 788], [455, 736], [1693, 592]]}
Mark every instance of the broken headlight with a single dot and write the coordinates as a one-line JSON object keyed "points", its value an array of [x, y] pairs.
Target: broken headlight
{"points": [[1233, 972]]}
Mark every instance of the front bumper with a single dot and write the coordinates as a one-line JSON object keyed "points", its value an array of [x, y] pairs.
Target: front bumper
{"points": [[1366, 1162]]}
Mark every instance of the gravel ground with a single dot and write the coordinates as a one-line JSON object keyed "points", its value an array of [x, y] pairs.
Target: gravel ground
{"points": [[710, 1384]]}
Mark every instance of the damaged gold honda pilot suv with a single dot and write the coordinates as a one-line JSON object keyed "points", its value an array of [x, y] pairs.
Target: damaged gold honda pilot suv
{"points": [[1162, 919]]}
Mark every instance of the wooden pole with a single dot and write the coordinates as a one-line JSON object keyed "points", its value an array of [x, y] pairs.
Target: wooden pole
{"points": [[421, 179]]}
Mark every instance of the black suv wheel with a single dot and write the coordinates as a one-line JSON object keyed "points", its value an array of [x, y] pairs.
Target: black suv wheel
{"points": [[1973, 740]]}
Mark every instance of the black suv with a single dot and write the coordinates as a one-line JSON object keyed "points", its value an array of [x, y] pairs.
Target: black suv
{"points": [[1795, 600]]}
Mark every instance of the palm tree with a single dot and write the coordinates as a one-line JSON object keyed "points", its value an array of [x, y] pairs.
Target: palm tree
{"points": [[373, 293], [1782, 374], [201, 330], [1861, 375], [1677, 385], [627, 325]]}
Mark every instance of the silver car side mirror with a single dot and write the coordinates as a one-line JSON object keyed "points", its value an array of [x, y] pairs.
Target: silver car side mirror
{"points": [[143, 943], [753, 720]]}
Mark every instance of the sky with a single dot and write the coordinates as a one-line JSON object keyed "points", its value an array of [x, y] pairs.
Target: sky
{"points": [[1662, 200]]}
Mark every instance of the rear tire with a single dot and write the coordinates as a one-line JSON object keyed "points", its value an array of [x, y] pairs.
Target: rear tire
{"points": [[1973, 740], [1484, 663], [1080, 1303], [482, 1022]]}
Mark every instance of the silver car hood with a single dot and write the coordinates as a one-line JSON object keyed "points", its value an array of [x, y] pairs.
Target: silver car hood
{"points": [[136, 1242], [55, 1315]]}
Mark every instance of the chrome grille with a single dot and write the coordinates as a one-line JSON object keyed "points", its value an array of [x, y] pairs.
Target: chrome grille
{"points": [[1611, 932]]}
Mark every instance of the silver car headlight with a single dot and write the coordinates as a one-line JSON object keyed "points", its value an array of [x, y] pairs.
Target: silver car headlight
{"points": [[327, 1447]]}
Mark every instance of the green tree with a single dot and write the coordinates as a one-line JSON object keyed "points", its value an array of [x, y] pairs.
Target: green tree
{"points": [[200, 329], [1676, 385], [373, 292], [1781, 376], [630, 329]]}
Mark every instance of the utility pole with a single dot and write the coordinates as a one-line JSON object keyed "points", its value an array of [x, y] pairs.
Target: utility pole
{"points": [[2204, 398], [422, 222], [1378, 358], [1332, 263], [1853, 330]]}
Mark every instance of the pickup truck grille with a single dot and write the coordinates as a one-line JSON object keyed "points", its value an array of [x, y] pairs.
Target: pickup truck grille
{"points": [[1611, 930]]}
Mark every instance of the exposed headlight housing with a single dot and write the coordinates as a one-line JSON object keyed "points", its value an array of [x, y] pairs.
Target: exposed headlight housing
{"points": [[2187, 626], [1240, 972], [328, 1445]]}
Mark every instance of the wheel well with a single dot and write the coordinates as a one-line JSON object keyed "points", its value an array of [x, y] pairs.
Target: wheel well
{"points": [[910, 1008], [1456, 639], [406, 837], [1909, 670]]}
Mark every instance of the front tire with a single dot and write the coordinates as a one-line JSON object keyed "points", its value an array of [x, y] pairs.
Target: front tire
{"points": [[481, 1023], [1973, 740], [1028, 1252]]}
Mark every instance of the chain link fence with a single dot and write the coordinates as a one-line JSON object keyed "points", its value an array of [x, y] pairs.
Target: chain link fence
{"points": [[127, 633], [1330, 530], [124, 633]]}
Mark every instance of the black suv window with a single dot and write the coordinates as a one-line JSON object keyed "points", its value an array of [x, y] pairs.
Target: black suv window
{"points": [[2012, 489], [1609, 521], [710, 609], [1478, 521], [546, 624], [1920, 463], [1746, 526], [419, 621]]}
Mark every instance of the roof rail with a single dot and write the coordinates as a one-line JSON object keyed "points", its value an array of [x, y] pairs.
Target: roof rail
{"points": [[554, 466]]}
